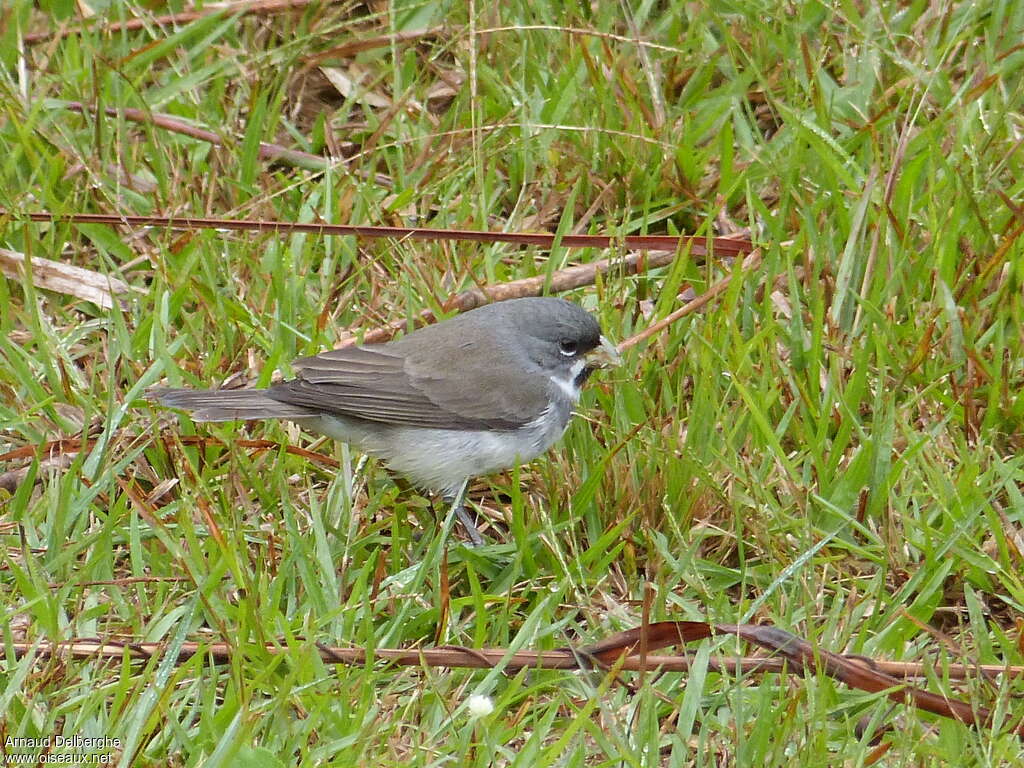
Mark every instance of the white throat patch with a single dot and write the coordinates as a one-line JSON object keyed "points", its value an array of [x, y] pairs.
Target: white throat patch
{"points": [[568, 386]]}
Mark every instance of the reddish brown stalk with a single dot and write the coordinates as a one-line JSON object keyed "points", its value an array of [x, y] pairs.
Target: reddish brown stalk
{"points": [[262, 8], [619, 652], [58, 455], [267, 151], [751, 262], [722, 246], [483, 658], [566, 279], [352, 47]]}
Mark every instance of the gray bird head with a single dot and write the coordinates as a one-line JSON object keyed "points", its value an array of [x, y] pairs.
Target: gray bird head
{"points": [[558, 336], [548, 335]]}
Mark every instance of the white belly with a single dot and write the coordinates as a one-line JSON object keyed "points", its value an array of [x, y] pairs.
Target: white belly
{"points": [[443, 459]]}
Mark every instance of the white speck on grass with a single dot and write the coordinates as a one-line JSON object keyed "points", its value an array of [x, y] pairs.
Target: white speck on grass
{"points": [[479, 706]]}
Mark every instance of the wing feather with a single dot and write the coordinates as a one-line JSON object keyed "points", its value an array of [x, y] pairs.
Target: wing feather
{"points": [[397, 383]]}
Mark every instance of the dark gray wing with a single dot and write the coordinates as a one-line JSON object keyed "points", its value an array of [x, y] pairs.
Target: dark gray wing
{"points": [[443, 385]]}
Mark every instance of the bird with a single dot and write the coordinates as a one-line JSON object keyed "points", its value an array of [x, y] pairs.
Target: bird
{"points": [[463, 398]]}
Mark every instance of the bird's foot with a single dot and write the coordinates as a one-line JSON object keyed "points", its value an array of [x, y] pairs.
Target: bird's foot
{"points": [[476, 539]]}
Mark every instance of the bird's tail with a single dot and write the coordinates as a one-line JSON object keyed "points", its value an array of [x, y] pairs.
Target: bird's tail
{"points": [[228, 404]]}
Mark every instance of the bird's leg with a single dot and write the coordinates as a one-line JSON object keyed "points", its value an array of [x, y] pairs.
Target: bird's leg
{"points": [[458, 503]]}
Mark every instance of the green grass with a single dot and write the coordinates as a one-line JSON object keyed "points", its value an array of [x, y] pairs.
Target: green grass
{"points": [[833, 447]]}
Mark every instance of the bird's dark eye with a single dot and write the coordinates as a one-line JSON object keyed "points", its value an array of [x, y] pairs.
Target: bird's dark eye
{"points": [[568, 347]]}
